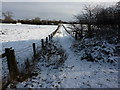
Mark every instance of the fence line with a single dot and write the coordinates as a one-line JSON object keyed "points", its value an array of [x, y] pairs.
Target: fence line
{"points": [[68, 31], [11, 58], [23, 49], [75, 34]]}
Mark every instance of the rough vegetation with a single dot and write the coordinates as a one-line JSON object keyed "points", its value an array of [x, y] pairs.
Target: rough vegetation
{"points": [[100, 41], [51, 57], [96, 50]]}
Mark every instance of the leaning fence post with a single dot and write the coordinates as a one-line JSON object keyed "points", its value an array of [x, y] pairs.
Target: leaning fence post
{"points": [[34, 50], [46, 40], [42, 42], [12, 64]]}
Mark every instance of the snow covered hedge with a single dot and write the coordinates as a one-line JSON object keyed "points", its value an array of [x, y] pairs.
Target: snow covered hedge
{"points": [[96, 50]]}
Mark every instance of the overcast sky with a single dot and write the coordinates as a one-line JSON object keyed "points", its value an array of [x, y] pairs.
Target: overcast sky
{"points": [[59, 0], [47, 10]]}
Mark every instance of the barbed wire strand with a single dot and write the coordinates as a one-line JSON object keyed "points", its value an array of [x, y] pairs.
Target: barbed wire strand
{"points": [[23, 49]]}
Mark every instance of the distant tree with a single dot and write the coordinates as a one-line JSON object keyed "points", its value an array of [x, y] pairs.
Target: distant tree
{"points": [[36, 20], [7, 16]]}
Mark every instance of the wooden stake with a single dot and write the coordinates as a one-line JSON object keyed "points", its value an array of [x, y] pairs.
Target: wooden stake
{"points": [[49, 38], [42, 43], [76, 35], [12, 64], [34, 50], [46, 40]]}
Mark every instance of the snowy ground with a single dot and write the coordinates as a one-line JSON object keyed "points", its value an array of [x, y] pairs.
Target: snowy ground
{"points": [[74, 73], [20, 37]]}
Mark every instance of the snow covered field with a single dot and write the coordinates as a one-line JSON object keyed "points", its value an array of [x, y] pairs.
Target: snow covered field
{"points": [[75, 73], [20, 37]]}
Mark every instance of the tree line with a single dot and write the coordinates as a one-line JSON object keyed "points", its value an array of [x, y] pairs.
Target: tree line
{"points": [[8, 18]]}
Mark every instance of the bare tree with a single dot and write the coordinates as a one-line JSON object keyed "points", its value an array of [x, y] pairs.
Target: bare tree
{"points": [[8, 16], [88, 17]]}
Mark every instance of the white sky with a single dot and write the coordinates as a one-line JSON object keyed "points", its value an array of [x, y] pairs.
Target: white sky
{"points": [[47, 10], [59, 0]]}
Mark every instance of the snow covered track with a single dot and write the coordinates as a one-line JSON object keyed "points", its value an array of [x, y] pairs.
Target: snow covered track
{"points": [[68, 31], [74, 73], [82, 73]]}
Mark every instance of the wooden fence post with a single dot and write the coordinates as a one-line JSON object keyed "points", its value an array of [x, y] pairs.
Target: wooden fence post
{"points": [[42, 42], [90, 34], [34, 50], [49, 38], [51, 35], [27, 66], [12, 64], [76, 35], [46, 40], [7, 56]]}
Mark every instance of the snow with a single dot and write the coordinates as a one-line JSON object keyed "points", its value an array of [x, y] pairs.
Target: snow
{"points": [[74, 73], [20, 37]]}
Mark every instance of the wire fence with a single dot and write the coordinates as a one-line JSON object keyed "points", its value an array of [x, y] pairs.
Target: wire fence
{"points": [[15, 61], [77, 34]]}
